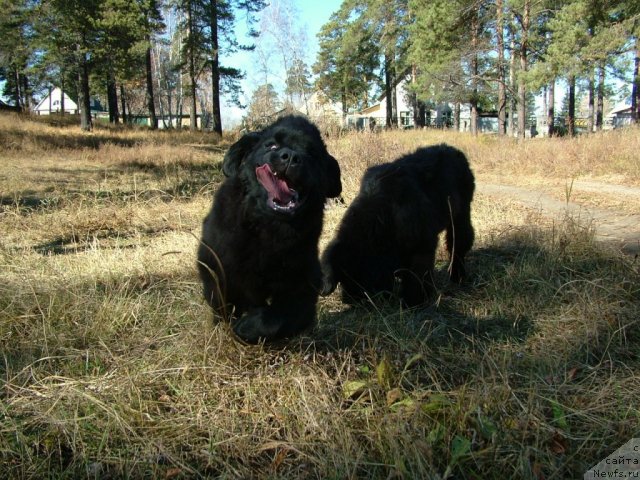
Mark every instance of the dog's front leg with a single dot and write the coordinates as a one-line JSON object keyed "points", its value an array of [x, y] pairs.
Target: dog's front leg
{"points": [[285, 317]]}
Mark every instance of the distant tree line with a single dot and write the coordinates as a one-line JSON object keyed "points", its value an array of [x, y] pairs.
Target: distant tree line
{"points": [[489, 54], [163, 57], [169, 49]]}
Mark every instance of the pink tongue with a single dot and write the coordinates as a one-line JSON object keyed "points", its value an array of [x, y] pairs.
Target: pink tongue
{"points": [[277, 188]]}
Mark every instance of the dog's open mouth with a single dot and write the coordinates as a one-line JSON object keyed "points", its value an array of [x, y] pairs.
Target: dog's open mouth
{"points": [[281, 197]]}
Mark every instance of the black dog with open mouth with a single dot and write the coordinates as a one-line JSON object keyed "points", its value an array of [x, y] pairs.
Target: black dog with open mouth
{"points": [[258, 259]]}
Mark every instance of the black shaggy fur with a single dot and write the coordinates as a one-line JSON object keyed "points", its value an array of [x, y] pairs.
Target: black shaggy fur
{"points": [[388, 236], [258, 259]]}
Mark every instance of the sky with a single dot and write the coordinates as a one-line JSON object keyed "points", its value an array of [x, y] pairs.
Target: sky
{"points": [[311, 16]]}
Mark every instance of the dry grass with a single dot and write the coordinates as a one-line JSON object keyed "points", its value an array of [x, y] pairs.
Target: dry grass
{"points": [[112, 368]]}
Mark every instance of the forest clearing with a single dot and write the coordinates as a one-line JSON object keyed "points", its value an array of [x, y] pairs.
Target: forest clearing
{"points": [[112, 366]]}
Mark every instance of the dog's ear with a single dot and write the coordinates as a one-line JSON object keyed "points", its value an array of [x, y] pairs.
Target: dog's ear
{"points": [[236, 153], [333, 185]]}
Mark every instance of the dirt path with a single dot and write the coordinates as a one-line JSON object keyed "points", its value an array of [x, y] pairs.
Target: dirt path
{"points": [[611, 225]]}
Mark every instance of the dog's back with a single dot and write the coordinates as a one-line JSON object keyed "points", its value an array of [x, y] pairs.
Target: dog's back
{"points": [[393, 224]]}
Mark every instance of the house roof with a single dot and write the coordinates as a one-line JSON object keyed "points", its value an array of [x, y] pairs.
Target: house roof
{"points": [[6, 106], [56, 94], [620, 109], [372, 109]]}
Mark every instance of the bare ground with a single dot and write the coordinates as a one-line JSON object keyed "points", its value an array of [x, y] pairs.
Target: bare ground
{"points": [[588, 200]]}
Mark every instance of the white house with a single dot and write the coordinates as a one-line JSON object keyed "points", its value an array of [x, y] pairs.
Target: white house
{"points": [[620, 116], [376, 114], [321, 108], [440, 115], [52, 103]]}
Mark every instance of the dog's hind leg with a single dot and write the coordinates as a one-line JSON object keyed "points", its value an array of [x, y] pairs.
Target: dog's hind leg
{"points": [[416, 283], [460, 238]]}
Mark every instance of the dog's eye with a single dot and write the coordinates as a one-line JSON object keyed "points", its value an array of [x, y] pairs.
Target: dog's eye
{"points": [[271, 146]]}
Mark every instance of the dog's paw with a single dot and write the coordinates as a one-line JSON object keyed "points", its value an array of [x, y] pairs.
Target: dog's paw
{"points": [[329, 284], [253, 328]]}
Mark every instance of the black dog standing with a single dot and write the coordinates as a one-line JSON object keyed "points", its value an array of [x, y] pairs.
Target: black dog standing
{"points": [[388, 237], [258, 259]]}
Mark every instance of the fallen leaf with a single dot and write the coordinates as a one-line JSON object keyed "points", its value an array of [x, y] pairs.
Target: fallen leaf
{"points": [[559, 444], [393, 396], [571, 374], [353, 388], [404, 403], [436, 403], [280, 456], [384, 372], [172, 473]]}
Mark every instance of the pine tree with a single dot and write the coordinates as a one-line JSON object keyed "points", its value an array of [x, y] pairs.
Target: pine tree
{"points": [[263, 107], [16, 50], [210, 32], [121, 50], [69, 31], [449, 46], [348, 57], [298, 85]]}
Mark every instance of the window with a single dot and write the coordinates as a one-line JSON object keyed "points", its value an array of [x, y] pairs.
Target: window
{"points": [[406, 120]]}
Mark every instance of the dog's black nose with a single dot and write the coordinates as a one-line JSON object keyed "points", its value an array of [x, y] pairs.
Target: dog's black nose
{"points": [[288, 156]]}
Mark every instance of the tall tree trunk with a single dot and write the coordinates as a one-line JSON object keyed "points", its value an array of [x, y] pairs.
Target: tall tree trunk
{"points": [[571, 121], [153, 120], [112, 97], [388, 89], [551, 128], [635, 89], [123, 103], [474, 73], [512, 85], [502, 98], [456, 117], [394, 102], [414, 98], [592, 94], [158, 70], [345, 110], [17, 96], [600, 102], [26, 91], [84, 99], [215, 69], [62, 87], [522, 89], [192, 69]]}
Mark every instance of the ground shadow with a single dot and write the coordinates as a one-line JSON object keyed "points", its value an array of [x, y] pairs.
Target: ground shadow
{"points": [[504, 277], [27, 200], [72, 142], [161, 170], [185, 180], [73, 244]]}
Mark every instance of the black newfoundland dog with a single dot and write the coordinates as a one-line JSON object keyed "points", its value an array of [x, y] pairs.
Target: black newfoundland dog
{"points": [[258, 259], [388, 236]]}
